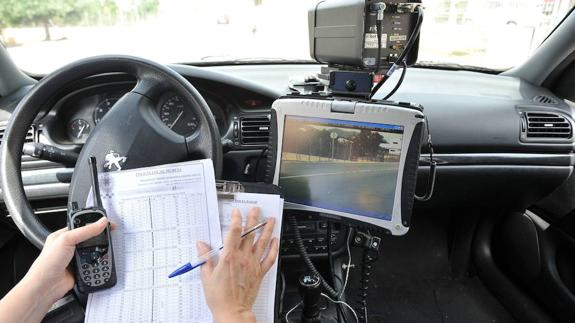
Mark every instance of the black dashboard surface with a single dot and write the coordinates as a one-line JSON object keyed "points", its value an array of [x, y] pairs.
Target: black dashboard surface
{"points": [[468, 112], [476, 121]]}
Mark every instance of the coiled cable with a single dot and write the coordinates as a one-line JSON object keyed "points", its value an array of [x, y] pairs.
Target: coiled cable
{"points": [[367, 260], [303, 253]]}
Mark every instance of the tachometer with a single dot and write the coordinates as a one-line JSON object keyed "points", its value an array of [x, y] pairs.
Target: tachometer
{"points": [[103, 107], [178, 116], [79, 129]]}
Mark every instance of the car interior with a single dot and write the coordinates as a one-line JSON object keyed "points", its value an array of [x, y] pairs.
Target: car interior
{"points": [[490, 235]]}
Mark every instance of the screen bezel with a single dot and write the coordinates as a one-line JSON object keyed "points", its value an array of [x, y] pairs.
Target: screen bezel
{"points": [[363, 112]]}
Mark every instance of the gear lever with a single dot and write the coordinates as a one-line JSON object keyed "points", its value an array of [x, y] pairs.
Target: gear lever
{"points": [[310, 291]]}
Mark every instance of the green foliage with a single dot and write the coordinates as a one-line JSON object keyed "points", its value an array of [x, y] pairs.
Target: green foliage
{"points": [[28, 13], [31, 13], [98, 12], [34, 12], [148, 7]]}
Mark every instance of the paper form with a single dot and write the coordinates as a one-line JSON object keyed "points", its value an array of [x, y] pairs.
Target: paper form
{"points": [[160, 212], [270, 205]]}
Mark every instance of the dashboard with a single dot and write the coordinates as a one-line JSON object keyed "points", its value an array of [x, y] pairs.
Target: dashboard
{"points": [[482, 126]]}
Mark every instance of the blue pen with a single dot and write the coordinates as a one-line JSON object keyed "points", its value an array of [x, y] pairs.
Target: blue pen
{"points": [[205, 257]]}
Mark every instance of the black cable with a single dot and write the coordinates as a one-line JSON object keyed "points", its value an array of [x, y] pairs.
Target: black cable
{"points": [[403, 54], [413, 36], [303, 253], [379, 84], [258, 163], [403, 72], [430, 180], [330, 262], [379, 30], [340, 313], [432, 167], [339, 279], [367, 260], [329, 251], [282, 293]]}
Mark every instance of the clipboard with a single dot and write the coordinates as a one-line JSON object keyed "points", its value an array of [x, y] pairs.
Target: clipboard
{"points": [[227, 189]]}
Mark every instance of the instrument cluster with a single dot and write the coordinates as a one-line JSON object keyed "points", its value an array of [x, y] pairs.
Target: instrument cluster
{"points": [[81, 114]]}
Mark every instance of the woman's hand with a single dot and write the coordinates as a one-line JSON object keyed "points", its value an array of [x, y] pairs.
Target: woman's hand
{"points": [[48, 279], [51, 268], [231, 285]]}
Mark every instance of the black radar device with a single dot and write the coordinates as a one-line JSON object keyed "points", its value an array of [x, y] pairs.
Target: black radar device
{"points": [[94, 258], [363, 34], [363, 41]]}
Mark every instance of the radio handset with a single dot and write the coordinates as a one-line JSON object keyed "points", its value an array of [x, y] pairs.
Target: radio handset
{"points": [[94, 258]]}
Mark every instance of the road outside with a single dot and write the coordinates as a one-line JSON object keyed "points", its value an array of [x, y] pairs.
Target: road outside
{"points": [[360, 188]]}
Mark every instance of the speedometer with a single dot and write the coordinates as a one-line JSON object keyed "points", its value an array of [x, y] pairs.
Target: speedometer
{"points": [[178, 116]]}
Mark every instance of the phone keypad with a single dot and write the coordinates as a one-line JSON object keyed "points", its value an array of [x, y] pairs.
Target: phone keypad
{"points": [[96, 273]]}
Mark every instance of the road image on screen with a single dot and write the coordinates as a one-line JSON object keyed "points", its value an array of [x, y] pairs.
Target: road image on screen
{"points": [[339, 165]]}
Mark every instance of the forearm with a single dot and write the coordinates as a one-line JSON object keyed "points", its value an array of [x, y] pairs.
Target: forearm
{"points": [[245, 317], [24, 303]]}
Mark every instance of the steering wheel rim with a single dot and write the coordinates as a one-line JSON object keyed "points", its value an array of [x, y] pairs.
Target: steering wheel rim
{"points": [[153, 144]]}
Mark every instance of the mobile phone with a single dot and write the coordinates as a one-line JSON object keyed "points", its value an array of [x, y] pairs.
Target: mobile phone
{"points": [[94, 258]]}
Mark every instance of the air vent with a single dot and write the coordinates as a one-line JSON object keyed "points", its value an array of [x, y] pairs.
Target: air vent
{"points": [[544, 99], [547, 125], [255, 130], [30, 135]]}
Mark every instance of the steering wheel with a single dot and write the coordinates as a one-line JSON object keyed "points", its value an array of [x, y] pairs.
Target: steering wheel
{"points": [[131, 129]]}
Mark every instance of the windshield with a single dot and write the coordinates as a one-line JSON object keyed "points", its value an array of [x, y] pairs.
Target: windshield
{"points": [[42, 35]]}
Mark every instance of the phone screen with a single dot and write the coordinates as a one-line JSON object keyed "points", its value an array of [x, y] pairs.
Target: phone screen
{"points": [[100, 240], [83, 218]]}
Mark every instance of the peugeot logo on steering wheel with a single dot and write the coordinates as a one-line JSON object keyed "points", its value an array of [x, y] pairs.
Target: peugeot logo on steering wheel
{"points": [[114, 161]]}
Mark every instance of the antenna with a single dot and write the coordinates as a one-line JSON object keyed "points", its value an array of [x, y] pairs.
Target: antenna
{"points": [[95, 183]]}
